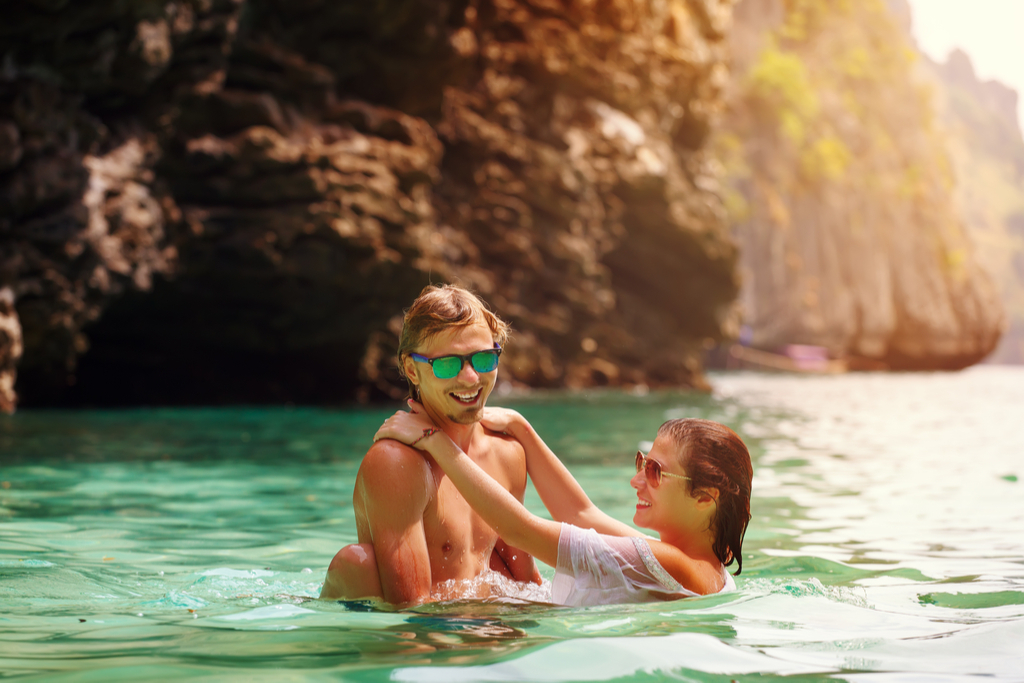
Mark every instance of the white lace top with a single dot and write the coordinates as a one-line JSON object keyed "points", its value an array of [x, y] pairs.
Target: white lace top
{"points": [[594, 569]]}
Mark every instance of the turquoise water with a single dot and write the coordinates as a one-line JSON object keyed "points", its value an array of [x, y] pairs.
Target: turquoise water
{"points": [[887, 543]]}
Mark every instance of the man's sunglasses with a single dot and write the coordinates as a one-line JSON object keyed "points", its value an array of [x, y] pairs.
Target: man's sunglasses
{"points": [[652, 470], [446, 367]]}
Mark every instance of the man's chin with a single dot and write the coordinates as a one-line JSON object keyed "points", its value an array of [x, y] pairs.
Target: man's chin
{"points": [[458, 414], [467, 417]]}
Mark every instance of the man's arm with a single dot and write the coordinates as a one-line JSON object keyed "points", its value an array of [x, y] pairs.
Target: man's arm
{"points": [[396, 486], [514, 563]]}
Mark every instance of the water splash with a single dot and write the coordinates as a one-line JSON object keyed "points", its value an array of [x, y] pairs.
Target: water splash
{"points": [[491, 584], [252, 587], [799, 588]]}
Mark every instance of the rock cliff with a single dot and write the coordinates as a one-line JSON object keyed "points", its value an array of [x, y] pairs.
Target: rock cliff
{"points": [[842, 192], [232, 200], [987, 151]]}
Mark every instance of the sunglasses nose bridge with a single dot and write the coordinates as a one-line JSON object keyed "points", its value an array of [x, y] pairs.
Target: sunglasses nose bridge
{"points": [[467, 366]]}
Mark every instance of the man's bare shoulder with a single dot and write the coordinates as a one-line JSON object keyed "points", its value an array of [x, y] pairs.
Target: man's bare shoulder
{"points": [[392, 469], [508, 457], [507, 448]]}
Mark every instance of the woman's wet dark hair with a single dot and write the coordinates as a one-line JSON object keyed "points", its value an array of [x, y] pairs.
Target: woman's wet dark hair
{"points": [[715, 457]]}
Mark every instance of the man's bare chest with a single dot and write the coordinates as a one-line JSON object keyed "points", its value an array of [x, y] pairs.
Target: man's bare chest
{"points": [[459, 542]]}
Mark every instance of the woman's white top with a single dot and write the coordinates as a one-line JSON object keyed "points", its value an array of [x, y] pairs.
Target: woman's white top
{"points": [[595, 569]]}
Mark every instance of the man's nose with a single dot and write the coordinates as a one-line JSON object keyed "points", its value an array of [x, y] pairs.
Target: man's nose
{"points": [[467, 374]]}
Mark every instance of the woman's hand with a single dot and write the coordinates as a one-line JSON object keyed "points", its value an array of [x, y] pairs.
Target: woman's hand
{"points": [[409, 428], [503, 420]]}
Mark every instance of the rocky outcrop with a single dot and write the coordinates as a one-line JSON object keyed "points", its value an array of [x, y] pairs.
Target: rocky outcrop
{"points": [[842, 194], [83, 218], [574, 166], [220, 200], [987, 152], [10, 349], [81, 224], [991, 97]]}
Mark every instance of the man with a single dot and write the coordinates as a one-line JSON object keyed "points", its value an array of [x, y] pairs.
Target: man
{"points": [[415, 530]]}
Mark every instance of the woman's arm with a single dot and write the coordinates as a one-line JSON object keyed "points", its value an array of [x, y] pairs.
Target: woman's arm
{"points": [[563, 496], [499, 508]]}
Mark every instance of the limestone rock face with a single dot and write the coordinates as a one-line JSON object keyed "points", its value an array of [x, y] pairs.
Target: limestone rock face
{"points": [[987, 151], [843, 194], [83, 217], [10, 349], [573, 166], [233, 200], [81, 223]]}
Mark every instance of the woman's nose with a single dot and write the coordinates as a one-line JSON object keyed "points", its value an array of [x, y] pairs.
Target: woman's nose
{"points": [[639, 479]]}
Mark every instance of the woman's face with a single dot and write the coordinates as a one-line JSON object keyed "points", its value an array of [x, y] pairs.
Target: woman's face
{"points": [[660, 505]]}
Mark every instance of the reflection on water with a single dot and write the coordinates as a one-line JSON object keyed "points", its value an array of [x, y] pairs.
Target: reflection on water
{"points": [[909, 470], [888, 538]]}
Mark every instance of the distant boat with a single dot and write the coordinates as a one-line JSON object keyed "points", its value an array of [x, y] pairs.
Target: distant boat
{"points": [[802, 358]]}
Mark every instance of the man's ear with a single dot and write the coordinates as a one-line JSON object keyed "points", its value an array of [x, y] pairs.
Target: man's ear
{"points": [[411, 370]]}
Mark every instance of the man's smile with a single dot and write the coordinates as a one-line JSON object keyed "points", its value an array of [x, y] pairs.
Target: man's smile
{"points": [[466, 397]]}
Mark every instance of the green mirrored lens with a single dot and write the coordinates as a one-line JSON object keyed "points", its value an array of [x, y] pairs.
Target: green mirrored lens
{"points": [[484, 361], [447, 367]]}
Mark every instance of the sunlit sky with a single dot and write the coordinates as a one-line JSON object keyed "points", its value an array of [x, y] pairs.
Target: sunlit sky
{"points": [[991, 32]]}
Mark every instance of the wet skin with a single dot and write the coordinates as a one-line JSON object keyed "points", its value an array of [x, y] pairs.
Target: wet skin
{"points": [[668, 508], [680, 516], [411, 522]]}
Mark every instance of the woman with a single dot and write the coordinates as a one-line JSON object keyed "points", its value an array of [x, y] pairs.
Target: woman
{"points": [[693, 488]]}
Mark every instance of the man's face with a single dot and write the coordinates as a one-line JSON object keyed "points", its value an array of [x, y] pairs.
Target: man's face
{"points": [[460, 399]]}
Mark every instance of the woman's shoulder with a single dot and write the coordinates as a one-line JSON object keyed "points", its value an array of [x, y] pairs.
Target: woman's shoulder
{"points": [[703, 577]]}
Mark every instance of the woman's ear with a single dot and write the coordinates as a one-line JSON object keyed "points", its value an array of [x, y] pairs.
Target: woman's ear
{"points": [[706, 497]]}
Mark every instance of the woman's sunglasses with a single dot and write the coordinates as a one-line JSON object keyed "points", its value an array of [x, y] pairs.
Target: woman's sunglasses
{"points": [[652, 470], [446, 367]]}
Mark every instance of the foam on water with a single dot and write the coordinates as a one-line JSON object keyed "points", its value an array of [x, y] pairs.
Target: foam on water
{"points": [[491, 584], [850, 595]]}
